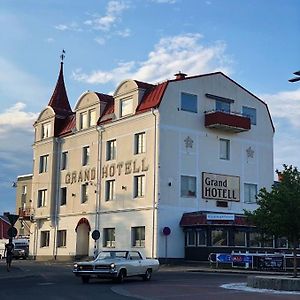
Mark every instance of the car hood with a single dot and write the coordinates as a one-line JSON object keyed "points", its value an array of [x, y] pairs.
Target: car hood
{"points": [[101, 261]]}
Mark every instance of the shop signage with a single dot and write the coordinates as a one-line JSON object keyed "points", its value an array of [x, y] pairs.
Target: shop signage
{"points": [[80, 176], [220, 187], [220, 217], [124, 167]]}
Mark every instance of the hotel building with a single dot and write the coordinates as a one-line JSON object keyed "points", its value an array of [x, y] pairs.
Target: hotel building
{"points": [[167, 168]]}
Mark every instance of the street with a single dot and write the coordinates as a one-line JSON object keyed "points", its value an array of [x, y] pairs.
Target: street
{"points": [[36, 280]]}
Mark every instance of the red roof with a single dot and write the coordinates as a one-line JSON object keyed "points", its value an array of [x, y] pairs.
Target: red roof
{"points": [[59, 100], [66, 125]]}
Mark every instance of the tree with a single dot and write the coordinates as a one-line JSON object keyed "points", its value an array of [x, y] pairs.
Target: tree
{"points": [[278, 213]]}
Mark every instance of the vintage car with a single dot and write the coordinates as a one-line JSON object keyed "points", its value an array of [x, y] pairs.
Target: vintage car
{"points": [[116, 265]]}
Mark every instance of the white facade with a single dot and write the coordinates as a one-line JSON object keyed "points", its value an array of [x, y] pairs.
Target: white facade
{"points": [[148, 156]]}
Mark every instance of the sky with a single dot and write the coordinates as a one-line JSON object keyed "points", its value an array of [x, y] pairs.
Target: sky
{"points": [[255, 42]]}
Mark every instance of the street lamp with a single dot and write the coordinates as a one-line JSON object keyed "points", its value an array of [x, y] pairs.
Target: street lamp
{"points": [[295, 78]]}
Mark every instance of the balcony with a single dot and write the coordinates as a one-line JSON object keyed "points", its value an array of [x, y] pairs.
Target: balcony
{"points": [[25, 213], [227, 121]]}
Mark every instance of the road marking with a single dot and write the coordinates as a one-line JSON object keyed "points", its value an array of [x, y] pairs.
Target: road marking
{"points": [[45, 283]]}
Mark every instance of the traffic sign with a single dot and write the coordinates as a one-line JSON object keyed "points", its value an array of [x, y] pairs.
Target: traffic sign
{"points": [[12, 219], [96, 234], [12, 232], [166, 231]]}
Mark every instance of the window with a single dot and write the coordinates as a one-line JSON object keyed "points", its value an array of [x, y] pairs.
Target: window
{"points": [[138, 236], [109, 190], [224, 149], [188, 102], [240, 238], [219, 237], [45, 237], [188, 186], [46, 130], [139, 144], [254, 240], [109, 237], [85, 155], [24, 189], [191, 238], [139, 186], [42, 197], [64, 160], [84, 193], [43, 163], [250, 193], [111, 147], [282, 243], [134, 255], [83, 120], [222, 106], [250, 113], [92, 120], [201, 238], [61, 238], [126, 107], [63, 196]]}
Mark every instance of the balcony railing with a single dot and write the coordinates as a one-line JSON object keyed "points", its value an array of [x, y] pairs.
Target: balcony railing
{"points": [[26, 213], [228, 121]]}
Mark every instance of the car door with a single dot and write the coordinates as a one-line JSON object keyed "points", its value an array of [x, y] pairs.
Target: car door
{"points": [[135, 263]]}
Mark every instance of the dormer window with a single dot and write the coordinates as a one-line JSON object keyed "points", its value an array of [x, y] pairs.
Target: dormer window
{"points": [[92, 118], [83, 120], [46, 130], [126, 107]]}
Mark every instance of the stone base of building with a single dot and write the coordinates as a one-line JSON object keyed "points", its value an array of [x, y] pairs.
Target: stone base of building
{"points": [[274, 283]]}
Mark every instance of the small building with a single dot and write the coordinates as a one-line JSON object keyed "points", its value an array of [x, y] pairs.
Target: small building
{"points": [[159, 167], [4, 226]]}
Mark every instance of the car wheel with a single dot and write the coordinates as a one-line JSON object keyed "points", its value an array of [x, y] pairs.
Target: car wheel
{"points": [[85, 279], [121, 276], [147, 275]]}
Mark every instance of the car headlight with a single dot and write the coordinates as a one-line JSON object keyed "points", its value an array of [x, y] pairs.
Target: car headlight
{"points": [[75, 266], [112, 266]]}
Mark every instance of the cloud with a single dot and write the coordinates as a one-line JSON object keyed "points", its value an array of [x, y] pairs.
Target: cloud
{"points": [[99, 40], [19, 86], [170, 55], [49, 40], [284, 105], [124, 33], [73, 26], [114, 10], [164, 1]]}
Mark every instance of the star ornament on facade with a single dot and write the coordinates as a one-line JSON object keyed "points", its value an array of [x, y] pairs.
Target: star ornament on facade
{"points": [[250, 152], [188, 142]]}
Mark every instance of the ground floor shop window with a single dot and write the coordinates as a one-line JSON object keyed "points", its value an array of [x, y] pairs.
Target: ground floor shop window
{"points": [[254, 240], [240, 239], [138, 236], [45, 238], [61, 238], [219, 237], [109, 239], [201, 238], [282, 243], [191, 237]]}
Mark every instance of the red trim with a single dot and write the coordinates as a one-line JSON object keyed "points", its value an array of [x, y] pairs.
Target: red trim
{"points": [[83, 221]]}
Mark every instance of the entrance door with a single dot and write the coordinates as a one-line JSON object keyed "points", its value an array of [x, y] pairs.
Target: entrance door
{"points": [[82, 240]]}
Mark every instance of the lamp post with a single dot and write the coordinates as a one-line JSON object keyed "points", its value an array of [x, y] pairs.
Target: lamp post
{"points": [[297, 73]]}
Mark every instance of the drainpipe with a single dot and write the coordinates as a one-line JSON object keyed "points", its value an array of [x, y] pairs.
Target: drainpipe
{"points": [[100, 130], [57, 194], [154, 202]]}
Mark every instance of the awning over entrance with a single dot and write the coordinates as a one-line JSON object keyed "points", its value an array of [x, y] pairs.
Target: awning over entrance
{"points": [[199, 218], [83, 221]]}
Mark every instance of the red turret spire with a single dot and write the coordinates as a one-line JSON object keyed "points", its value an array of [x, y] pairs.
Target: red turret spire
{"points": [[59, 100]]}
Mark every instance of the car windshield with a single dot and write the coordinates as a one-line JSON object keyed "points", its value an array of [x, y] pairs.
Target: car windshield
{"points": [[112, 254]]}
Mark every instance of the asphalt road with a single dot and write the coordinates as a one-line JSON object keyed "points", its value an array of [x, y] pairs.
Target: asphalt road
{"points": [[33, 280]]}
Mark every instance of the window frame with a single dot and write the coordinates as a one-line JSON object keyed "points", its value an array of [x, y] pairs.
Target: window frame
{"points": [[86, 152], [42, 198], [227, 149], [139, 186], [251, 113], [83, 120], [64, 160], [185, 98], [109, 237], [223, 106], [126, 111], [84, 193], [110, 190], [46, 130], [92, 119], [140, 143], [63, 195], [45, 239], [111, 150], [44, 160], [190, 193], [248, 193], [62, 238], [138, 236], [227, 237]]}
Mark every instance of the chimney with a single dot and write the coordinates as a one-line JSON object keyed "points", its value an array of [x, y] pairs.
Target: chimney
{"points": [[180, 75]]}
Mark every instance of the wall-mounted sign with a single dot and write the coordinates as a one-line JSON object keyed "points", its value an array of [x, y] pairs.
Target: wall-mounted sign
{"points": [[220, 187], [80, 176], [220, 217]]}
